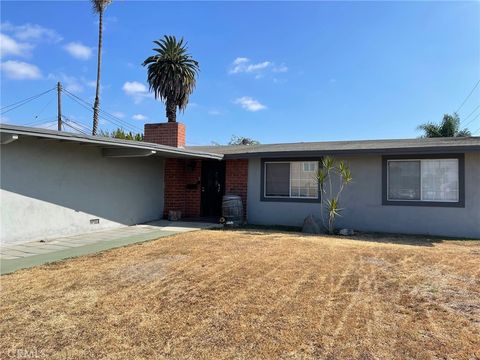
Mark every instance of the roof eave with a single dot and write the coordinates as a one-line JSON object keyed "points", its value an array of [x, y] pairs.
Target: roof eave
{"points": [[350, 152], [162, 150]]}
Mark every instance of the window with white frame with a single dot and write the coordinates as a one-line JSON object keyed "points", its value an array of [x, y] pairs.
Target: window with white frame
{"points": [[423, 180], [291, 179]]}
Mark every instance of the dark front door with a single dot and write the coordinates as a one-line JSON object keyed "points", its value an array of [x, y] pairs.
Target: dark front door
{"points": [[213, 187]]}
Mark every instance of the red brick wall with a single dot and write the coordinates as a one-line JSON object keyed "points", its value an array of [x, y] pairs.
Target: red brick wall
{"points": [[193, 175], [178, 174], [174, 194], [236, 180], [171, 134], [182, 176]]}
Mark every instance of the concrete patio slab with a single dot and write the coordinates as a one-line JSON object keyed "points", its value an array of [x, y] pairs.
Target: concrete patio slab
{"points": [[46, 246], [28, 250], [69, 244], [11, 252], [19, 256], [7, 257]]}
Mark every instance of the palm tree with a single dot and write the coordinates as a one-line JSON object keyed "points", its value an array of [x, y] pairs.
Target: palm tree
{"points": [[172, 74], [99, 7], [449, 127]]}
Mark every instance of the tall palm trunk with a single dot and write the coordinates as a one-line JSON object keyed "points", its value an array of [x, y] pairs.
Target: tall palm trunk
{"points": [[96, 104], [171, 108]]}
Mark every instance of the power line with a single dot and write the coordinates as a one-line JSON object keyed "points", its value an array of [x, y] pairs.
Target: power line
{"points": [[475, 118], [67, 122], [85, 105], [20, 103], [42, 121], [91, 110], [31, 97], [470, 115], [104, 114], [468, 96], [43, 109], [73, 127], [83, 126]]}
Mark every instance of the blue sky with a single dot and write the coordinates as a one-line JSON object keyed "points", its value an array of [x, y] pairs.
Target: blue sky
{"points": [[274, 71]]}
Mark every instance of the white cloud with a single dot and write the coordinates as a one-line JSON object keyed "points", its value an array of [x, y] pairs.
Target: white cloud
{"points": [[214, 112], [257, 67], [91, 83], [78, 50], [240, 60], [245, 65], [136, 90], [9, 46], [32, 32], [134, 87], [139, 117], [118, 114], [250, 104], [280, 69], [74, 87], [20, 70], [72, 83]]}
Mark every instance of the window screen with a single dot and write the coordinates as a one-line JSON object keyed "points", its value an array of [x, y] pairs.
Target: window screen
{"points": [[277, 179], [440, 180], [295, 179], [404, 180], [303, 179], [423, 180]]}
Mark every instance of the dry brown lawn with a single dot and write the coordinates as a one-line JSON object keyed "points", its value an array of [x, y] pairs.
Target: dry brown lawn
{"points": [[250, 294]]}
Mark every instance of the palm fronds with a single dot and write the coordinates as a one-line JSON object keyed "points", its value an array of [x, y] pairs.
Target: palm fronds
{"points": [[99, 6], [172, 72], [448, 127]]}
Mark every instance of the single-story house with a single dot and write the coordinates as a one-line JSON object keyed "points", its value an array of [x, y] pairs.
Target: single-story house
{"points": [[58, 183]]}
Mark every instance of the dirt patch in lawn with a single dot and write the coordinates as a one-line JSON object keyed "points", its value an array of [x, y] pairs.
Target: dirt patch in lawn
{"points": [[250, 294]]}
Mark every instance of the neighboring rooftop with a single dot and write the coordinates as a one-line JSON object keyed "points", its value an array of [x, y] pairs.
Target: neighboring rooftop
{"points": [[400, 146], [112, 147]]}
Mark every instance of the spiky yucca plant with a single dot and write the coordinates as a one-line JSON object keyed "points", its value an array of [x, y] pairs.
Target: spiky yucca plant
{"points": [[172, 74], [331, 189]]}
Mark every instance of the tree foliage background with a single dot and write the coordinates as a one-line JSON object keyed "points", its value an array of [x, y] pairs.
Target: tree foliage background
{"points": [[121, 134], [448, 127]]}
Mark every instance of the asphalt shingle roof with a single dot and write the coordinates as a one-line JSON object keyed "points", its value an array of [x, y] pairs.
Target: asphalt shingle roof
{"points": [[400, 146], [358, 147]]}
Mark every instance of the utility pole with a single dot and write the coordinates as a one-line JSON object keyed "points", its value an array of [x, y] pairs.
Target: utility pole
{"points": [[59, 104]]}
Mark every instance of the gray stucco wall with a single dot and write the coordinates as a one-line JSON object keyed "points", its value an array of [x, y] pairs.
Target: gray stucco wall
{"points": [[364, 211], [51, 189]]}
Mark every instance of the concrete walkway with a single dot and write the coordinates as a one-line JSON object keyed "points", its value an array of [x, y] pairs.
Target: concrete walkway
{"points": [[19, 256]]}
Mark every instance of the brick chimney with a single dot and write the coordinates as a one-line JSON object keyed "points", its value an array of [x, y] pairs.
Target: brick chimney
{"points": [[169, 133]]}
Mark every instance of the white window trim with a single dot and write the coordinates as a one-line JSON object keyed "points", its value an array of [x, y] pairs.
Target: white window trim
{"points": [[421, 185], [289, 180]]}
